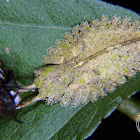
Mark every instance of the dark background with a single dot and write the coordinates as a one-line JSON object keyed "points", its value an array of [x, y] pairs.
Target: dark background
{"points": [[118, 125], [133, 5]]}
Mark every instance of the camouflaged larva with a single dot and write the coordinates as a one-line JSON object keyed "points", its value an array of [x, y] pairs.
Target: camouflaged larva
{"points": [[93, 60]]}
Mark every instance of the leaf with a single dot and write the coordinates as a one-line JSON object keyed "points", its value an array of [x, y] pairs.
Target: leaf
{"points": [[27, 29]]}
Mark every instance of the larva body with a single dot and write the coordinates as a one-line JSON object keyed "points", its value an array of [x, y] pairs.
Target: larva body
{"points": [[90, 62]]}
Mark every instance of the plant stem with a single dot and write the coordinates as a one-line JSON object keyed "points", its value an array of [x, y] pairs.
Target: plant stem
{"points": [[131, 108]]}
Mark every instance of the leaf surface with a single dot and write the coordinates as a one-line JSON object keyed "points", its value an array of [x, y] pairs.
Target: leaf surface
{"points": [[27, 30]]}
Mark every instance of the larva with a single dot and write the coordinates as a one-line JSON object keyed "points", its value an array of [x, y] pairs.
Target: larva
{"points": [[90, 62]]}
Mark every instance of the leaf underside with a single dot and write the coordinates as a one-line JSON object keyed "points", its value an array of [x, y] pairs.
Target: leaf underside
{"points": [[27, 29]]}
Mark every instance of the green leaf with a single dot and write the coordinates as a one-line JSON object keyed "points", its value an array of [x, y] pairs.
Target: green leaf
{"points": [[27, 29]]}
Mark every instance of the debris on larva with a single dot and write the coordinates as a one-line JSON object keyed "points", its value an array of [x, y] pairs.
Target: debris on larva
{"points": [[90, 62]]}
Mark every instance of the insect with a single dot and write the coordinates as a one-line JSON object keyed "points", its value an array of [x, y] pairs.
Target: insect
{"points": [[9, 99]]}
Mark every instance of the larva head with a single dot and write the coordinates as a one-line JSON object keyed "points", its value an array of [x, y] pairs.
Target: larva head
{"points": [[92, 61]]}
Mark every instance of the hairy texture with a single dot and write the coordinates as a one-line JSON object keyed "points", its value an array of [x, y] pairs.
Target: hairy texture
{"points": [[90, 62]]}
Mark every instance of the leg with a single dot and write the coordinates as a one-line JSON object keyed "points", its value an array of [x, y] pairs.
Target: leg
{"points": [[26, 89], [37, 98]]}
